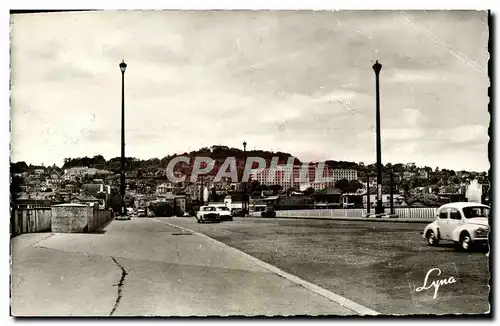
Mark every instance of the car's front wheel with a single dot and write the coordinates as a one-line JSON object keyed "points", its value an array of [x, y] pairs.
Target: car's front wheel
{"points": [[432, 239], [465, 241]]}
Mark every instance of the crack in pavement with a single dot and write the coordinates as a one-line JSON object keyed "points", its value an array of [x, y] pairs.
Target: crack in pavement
{"points": [[120, 286]]}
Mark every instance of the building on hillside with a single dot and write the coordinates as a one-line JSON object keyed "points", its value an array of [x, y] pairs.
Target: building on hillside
{"points": [[168, 205], [348, 174], [39, 171], [193, 192], [408, 175], [165, 188], [298, 176], [33, 200], [423, 174], [100, 191], [86, 200]]}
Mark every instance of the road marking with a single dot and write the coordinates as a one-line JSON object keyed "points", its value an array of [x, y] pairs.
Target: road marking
{"points": [[344, 302]]}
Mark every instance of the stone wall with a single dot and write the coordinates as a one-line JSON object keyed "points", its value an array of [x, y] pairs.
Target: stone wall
{"points": [[71, 218]]}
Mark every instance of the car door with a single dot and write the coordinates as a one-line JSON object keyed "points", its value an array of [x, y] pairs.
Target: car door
{"points": [[442, 223], [454, 221]]}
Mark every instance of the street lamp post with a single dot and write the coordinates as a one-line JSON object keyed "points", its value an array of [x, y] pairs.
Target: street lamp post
{"points": [[123, 66], [245, 208], [379, 209]]}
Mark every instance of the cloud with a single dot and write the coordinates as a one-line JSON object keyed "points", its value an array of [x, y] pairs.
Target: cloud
{"points": [[293, 81]]}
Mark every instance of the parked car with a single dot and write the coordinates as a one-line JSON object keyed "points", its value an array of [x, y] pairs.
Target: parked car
{"points": [[268, 212], [207, 213], [239, 212], [464, 223], [121, 217], [224, 214], [141, 213]]}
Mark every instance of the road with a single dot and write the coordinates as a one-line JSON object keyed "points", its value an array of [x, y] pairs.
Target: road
{"points": [[377, 264], [144, 267]]}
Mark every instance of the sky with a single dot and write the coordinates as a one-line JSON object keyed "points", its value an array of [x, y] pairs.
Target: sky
{"points": [[295, 81]]}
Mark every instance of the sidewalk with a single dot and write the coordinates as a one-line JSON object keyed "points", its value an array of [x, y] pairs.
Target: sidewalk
{"points": [[145, 268]]}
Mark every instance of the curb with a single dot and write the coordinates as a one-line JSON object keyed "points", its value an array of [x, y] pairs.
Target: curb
{"points": [[342, 301]]}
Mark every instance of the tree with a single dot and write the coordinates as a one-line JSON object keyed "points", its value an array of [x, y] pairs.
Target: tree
{"points": [[16, 187], [354, 185], [342, 185]]}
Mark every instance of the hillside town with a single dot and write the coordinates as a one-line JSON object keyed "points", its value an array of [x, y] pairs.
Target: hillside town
{"points": [[95, 181]]}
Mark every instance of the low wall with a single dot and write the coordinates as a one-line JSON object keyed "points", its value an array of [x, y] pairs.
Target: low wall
{"points": [[71, 218], [78, 218], [99, 218], [423, 214], [65, 218], [30, 220]]}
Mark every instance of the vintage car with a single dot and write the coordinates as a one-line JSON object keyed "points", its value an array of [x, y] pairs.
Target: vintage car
{"points": [[462, 222], [239, 212], [207, 214], [268, 212], [224, 214]]}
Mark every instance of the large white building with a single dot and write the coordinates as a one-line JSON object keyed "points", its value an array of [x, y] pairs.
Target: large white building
{"points": [[297, 176]]}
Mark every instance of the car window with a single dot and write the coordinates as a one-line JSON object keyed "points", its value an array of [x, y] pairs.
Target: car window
{"points": [[478, 211], [455, 214], [443, 214]]}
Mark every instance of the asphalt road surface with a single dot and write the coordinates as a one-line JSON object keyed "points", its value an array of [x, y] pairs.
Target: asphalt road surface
{"points": [[380, 265], [142, 267]]}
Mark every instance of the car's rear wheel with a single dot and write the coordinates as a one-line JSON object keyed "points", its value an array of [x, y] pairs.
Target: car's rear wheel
{"points": [[432, 239], [465, 241]]}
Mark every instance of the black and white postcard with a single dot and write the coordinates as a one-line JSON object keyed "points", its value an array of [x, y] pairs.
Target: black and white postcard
{"points": [[190, 163]]}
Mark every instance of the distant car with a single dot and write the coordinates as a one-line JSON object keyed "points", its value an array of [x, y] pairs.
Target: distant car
{"points": [[464, 223], [239, 212], [224, 214], [268, 212], [120, 217], [207, 214], [141, 213]]}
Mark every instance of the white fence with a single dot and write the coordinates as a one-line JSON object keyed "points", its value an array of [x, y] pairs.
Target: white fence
{"points": [[410, 213]]}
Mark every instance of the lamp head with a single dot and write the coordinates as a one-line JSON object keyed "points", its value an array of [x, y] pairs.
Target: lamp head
{"points": [[123, 66], [377, 67], [244, 144]]}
